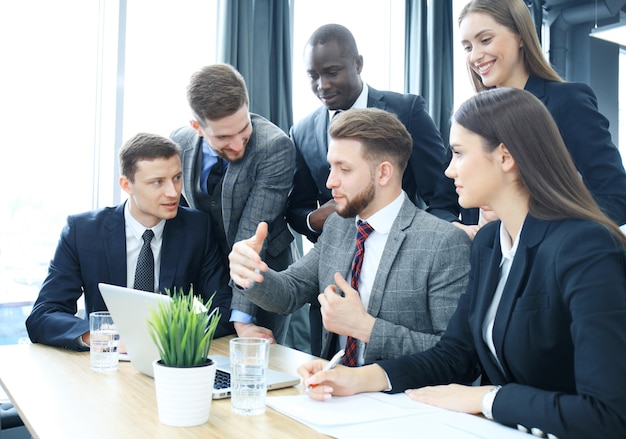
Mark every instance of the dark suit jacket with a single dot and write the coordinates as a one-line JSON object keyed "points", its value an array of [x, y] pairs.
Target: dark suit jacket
{"points": [[560, 331], [92, 249], [420, 277], [426, 163], [586, 135]]}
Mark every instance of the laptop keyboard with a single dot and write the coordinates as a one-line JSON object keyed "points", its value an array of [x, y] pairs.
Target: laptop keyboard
{"points": [[222, 379]]}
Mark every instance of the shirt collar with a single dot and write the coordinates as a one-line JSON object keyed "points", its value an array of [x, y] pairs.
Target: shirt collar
{"points": [[508, 250], [361, 102], [206, 149], [383, 219], [137, 229]]}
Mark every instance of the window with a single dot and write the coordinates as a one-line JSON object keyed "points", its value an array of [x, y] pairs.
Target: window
{"points": [[66, 109], [48, 99]]}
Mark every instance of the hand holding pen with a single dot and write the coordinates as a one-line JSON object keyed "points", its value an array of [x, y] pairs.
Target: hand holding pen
{"points": [[330, 365]]}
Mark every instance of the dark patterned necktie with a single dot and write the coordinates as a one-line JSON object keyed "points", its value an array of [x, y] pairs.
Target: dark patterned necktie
{"points": [[144, 275], [364, 230], [215, 175]]}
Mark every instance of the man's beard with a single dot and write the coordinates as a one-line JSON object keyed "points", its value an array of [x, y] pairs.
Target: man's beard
{"points": [[359, 203]]}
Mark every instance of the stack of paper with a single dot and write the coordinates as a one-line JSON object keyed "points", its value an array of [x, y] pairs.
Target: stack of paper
{"points": [[376, 415]]}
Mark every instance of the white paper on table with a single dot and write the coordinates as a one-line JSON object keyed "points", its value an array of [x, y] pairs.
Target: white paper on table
{"points": [[376, 415], [347, 410]]}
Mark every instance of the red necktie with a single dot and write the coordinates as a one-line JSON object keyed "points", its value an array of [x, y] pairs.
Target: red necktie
{"points": [[364, 230]]}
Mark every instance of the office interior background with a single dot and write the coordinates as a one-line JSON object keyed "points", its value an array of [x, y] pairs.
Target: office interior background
{"points": [[81, 76]]}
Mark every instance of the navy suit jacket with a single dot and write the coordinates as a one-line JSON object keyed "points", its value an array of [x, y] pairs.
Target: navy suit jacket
{"points": [[559, 331], [425, 166], [92, 249], [586, 135]]}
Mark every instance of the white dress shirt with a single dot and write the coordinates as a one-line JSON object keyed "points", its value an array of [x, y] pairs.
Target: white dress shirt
{"points": [[381, 221]]}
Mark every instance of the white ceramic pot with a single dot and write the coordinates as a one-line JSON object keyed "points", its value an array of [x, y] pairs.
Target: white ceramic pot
{"points": [[184, 394]]}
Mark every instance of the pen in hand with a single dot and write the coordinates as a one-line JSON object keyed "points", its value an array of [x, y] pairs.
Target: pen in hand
{"points": [[330, 365]]}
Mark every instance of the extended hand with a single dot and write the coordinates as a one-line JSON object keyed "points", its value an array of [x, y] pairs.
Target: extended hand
{"points": [[246, 265], [486, 215], [470, 230], [466, 399], [345, 315], [252, 330]]}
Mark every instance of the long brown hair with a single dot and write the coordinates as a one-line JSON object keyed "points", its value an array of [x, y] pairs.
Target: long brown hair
{"points": [[522, 123], [514, 15]]}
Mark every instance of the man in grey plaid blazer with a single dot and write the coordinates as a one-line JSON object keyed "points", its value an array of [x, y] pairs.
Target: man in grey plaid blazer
{"points": [[415, 266], [251, 162]]}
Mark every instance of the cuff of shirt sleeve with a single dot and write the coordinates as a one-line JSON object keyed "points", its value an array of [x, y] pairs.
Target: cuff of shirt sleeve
{"points": [[81, 343], [240, 316], [308, 224], [389, 386]]}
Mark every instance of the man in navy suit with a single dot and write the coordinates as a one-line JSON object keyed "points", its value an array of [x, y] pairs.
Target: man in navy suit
{"points": [[334, 67], [104, 245]]}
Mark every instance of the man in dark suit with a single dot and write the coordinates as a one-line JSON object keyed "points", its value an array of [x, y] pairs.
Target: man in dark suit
{"points": [[414, 266], [238, 167], [104, 246], [334, 66]]}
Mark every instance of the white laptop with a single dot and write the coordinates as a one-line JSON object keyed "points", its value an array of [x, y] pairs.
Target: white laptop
{"points": [[130, 310]]}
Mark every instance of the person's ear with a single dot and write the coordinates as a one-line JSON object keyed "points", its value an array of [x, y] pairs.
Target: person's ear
{"points": [[125, 185], [385, 172], [505, 158], [358, 64], [196, 126]]}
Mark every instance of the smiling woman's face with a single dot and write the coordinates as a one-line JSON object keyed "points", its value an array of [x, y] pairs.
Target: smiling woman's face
{"points": [[493, 51]]}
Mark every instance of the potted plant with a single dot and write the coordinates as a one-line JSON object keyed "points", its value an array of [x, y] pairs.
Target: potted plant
{"points": [[183, 330]]}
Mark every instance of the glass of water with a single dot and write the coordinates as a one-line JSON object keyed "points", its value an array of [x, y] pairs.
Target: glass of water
{"points": [[249, 359], [104, 341]]}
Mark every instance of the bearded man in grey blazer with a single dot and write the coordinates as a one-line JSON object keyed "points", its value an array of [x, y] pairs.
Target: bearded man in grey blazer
{"points": [[415, 266], [238, 167]]}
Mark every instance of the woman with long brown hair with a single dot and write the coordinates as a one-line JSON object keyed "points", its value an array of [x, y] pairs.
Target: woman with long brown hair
{"points": [[543, 320], [502, 50]]}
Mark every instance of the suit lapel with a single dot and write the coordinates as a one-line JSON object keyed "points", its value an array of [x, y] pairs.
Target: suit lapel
{"points": [[190, 143], [375, 99], [228, 189], [318, 154], [114, 244], [395, 239], [171, 248], [345, 258], [532, 234], [488, 258], [537, 87]]}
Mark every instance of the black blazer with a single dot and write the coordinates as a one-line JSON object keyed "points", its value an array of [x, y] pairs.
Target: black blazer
{"points": [[426, 163], [92, 249], [560, 331], [586, 135]]}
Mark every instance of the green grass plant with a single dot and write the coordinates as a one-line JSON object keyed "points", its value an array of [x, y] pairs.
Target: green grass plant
{"points": [[183, 329]]}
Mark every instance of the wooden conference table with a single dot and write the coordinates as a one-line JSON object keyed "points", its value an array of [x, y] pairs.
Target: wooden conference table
{"points": [[59, 396]]}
